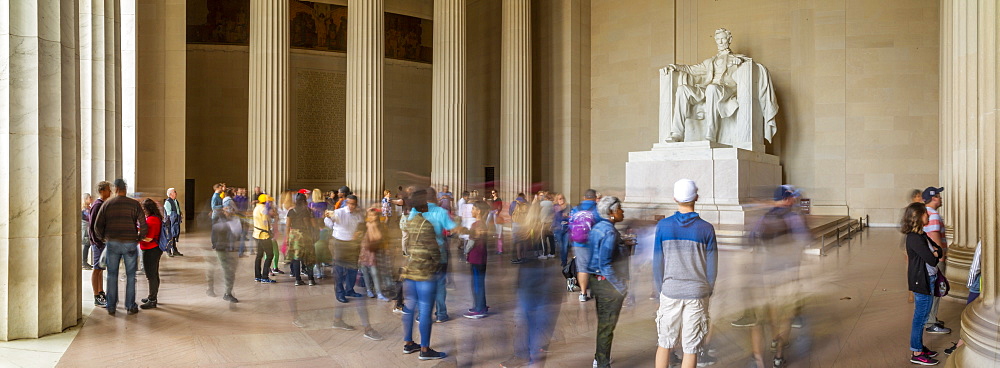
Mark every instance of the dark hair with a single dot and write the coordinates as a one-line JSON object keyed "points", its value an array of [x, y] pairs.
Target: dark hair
{"points": [[344, 189], [149, 206], [120, 185], [913, 219], [590, 194], [432, 195], [465, 193], [351, 196], [230, 192], [915, 193], [418, 200], [519, 195], [482, 207], [300, 201]]}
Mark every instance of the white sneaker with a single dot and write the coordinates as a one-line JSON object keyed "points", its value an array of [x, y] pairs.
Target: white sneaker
{"points": [[584, 298], [543, 257]]}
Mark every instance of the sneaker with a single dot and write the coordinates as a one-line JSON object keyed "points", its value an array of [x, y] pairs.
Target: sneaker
{"points": [[171, 255], [371, 294], [543, 257], [267, 281], [705, 360], [583, 298], [928, 352], [256, 280], [923, 360], [474, 315], [111, 312], [87, 267], [299, 283], [397, 309], [340, 325], [148, 304], [276, 270], [100, 301], [210, 292], [951, 349], [133, 310], [937, 329], [411, 348], [230, 298], [779, 362], [797, 322], [371, 334], [745, 321], [430, 354], [442, 319], [354, 294], [382, 297], [311, 283], [179, 254]]}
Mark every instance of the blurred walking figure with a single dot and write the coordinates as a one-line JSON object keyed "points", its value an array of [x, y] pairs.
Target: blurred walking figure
{"points": [[372, 246], [609, 274], [478, 233], [302, 232], [560, 222], [581, 219], [545, 235], [420, 277], [224, 234], [779, 236], [369, 234], [519, 226], [172, 215], [922, 272], [121, 224], [264, 238], [685, 264], [496, 217]]}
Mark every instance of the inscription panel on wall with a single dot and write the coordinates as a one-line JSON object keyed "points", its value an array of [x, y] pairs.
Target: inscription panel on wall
{"points": [[320, 120]]}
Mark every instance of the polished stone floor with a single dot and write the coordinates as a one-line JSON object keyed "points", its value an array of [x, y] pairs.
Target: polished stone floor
{"points": [[855, 314]]}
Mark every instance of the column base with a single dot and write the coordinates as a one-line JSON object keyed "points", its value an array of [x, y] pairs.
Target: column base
{"points": [[981, 332]]}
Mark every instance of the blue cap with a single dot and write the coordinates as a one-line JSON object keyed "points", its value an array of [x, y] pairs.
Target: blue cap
{"points": [[785, 191], [931, 192]]}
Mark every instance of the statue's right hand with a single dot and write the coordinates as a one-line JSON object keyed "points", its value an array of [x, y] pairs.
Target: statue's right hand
{"points": [[669, 68]]}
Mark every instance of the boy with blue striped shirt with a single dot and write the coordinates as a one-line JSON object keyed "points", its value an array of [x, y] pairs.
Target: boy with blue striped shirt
{"points": [[685, 262]]}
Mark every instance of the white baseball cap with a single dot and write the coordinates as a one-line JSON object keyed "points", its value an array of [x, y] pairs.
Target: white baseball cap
{"points": [[685, 191]]}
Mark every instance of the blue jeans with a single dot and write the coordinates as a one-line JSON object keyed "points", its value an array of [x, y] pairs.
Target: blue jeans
{"points": [[419, 298], [346, 278], [921, 308], [479, 288], [117, 251], [441, 294], [563, 239]]}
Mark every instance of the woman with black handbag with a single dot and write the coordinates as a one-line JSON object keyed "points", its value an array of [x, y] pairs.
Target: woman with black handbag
{"points": [[923, 256]]}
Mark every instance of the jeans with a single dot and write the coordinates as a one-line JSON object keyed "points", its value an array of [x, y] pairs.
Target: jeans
{"points": [[479, 288], [442, 294], [346, 277], [299, 268], [86, 242], [264, 248], [563, 240], [932, 315], [224, 260], [419, 299], [174, 224], [921, 308], [117, 251], [151, 261], [370, 274], [609, 305]]}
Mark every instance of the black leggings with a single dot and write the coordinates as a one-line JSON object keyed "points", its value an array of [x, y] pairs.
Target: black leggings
{"points": [[151, 262], [264, 248]]}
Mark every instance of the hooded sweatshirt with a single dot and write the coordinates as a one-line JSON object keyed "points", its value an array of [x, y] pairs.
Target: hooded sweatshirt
{"points": [[685, 257]]}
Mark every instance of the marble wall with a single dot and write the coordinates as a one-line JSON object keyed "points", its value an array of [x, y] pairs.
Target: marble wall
{"points": [[856, 83]]}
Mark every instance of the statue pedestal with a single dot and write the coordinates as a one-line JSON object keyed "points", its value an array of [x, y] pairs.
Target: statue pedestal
{"points": [[729, 180]]}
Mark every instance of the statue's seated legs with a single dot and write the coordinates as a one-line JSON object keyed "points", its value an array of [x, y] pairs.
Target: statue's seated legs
{"points": [[717, 102]]}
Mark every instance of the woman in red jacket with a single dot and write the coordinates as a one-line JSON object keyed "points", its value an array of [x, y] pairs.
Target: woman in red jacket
{"points": [[151, 251]]}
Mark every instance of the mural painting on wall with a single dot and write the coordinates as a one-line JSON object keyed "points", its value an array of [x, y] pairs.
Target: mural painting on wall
{"points": [[218, 22], [408, 38], [318, 26]]}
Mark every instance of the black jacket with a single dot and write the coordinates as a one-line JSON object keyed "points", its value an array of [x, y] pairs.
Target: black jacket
{"points": [[920, 255]]}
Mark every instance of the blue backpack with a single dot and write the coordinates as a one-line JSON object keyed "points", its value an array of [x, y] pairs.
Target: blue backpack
{"points": [[163, 240]]}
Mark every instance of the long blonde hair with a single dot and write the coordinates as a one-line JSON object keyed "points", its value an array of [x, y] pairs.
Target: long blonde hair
{"points": [[318, 196], [287, 200]]}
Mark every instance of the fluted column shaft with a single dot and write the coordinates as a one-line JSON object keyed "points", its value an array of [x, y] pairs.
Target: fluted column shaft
{"points": [[39, 167], [448, 119], [100, 79], [959, 132], [515, 99], [969, 38], [365, 60], [268, 138]]}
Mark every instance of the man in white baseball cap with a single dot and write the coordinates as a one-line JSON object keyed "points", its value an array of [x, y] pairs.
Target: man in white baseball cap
{"points": [[685, 260]]}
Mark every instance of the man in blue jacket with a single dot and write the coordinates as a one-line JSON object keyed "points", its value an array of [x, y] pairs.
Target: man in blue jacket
{"points": [[685, 262]]}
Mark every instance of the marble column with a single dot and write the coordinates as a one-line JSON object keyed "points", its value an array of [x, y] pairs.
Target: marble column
{"points": [[448, 119], [100, 77], [365, 61], [958, 133], [39, 159], [515, 99], [977, 20], [268, 135]]}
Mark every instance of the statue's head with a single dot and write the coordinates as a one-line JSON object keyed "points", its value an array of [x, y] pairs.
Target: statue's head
{"points": [[722, 38]]}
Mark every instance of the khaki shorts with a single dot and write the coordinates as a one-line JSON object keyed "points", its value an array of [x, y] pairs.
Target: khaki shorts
{"points": [[684, 320]]}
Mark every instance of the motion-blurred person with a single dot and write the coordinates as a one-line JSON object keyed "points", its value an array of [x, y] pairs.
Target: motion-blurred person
{"points": [[780, 236], [172, 215], [609, 275], [581, 220], [151, 251], [538, 308], [347, 223], [465, 207], [263, 236], [386, 212], [302, 231], [97, 244], [935, 229], [496, 217], [444, 199], [545, 234], [121, 224], [372, 246], [519, 227], [224, 234], [242, 204], [215, 203], [478, 233], [685, 262], [420, 277], [560, 220], [442, 222], [342, 194], [924, 258], [84, 233], [321, 247], [370, 236]]}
